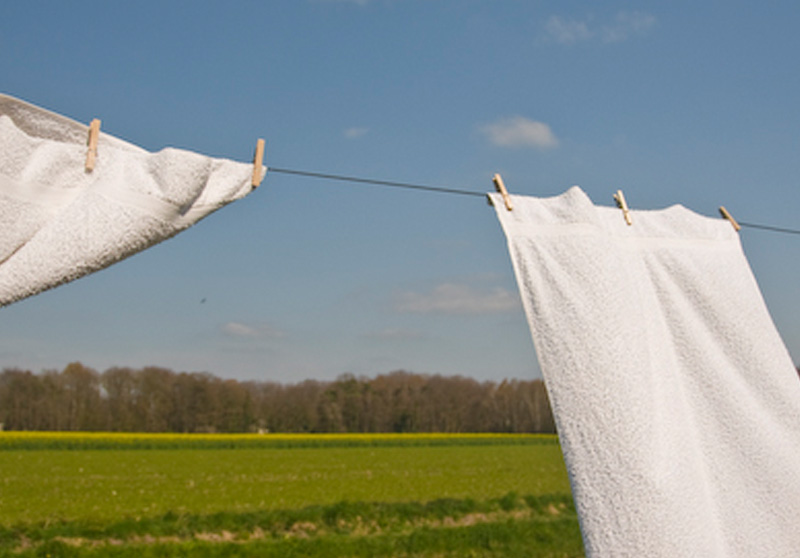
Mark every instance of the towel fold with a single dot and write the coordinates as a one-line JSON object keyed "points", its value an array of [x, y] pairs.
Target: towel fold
{"points": [[676, 402], [60, 222]]}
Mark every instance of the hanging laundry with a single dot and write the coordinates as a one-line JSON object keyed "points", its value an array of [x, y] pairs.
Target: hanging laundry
{"points": [[676, 402], [61, 221]]}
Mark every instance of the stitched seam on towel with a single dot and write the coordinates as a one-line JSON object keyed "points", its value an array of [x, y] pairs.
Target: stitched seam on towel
{"points": [[156, 208], [21, 110], [48, 197], [572, 230], [52, 199], [68, 131], [152, 206]]}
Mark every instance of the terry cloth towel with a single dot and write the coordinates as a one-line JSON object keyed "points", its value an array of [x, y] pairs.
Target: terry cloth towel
{"points": [[676, 402], [60, 222]]}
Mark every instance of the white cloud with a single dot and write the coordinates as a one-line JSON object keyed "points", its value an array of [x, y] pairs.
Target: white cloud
{"points": [[355, 132], [567, 32], [519, 131], [624, 26], [238, 329], [453, 298]]}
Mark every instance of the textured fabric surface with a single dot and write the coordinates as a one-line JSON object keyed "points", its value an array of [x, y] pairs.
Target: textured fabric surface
{"points": [[677, 404], [60, 222]]}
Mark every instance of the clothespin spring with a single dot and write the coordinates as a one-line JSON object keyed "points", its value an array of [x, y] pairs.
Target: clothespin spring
{"points": [[500, 187], [724, 212], [258, 162], [619, 197], [91, 152]]}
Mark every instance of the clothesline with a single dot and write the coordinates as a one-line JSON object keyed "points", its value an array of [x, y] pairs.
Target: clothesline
{"points": [[769, 228], [447, 190], [441, 189]]}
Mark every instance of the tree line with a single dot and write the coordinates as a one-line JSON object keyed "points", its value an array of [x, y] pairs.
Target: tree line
{"points": [[154, 399]]}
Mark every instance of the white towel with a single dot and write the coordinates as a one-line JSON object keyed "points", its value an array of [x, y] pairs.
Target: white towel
{"points": [[59, 222], [676, 402]]}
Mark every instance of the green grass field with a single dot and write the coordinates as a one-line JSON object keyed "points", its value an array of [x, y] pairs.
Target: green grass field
{"points": [[320, 496]]}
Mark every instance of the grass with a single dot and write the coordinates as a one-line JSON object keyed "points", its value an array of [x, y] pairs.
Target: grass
{"points": [[447, 498], [508, 526]]}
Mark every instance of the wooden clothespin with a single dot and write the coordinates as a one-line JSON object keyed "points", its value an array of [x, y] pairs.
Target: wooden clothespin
{"points": [[500, 187], [619, 197], [724, 212], [91, 153], [258, 161]]}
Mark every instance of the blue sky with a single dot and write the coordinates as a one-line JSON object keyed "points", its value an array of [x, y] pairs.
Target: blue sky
{"points": [[673, 102]]}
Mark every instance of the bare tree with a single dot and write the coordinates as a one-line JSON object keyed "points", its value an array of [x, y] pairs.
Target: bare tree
{"points": [[155, 399]]}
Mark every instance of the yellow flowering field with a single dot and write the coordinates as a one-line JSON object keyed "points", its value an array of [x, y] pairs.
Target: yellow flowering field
{"points": [[127, 440]]}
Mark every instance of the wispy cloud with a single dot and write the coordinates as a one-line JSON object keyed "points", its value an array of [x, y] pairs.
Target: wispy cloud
{"points": [[245, 331], [625, 25], [454, 298], [518, 131], [355, 132], [567, 31]]}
